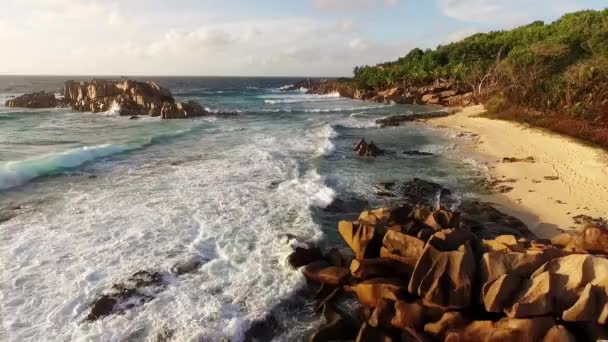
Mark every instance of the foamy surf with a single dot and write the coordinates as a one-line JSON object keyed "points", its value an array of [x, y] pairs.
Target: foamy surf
{"points": [[19, 172], [169, 192]]}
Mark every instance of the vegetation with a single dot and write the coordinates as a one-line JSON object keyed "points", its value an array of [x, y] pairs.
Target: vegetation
{"points": [[559, 68]]}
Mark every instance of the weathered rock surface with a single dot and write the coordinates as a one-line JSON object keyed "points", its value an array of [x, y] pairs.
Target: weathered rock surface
{"points": [[133, 97], [426, 273], [35, 100], [574, 286], [369, 292], [445, 278], [441, 92]]}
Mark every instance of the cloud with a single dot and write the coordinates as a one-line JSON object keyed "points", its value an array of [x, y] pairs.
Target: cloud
{"points": [[500, 14], [58, 37], [351, 5]]}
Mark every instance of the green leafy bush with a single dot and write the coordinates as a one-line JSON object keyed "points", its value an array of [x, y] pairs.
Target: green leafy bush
{"points": [[561, 66]]}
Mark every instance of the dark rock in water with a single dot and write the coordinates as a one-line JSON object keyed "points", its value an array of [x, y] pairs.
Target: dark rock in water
{"points": [[418, 190], [487, 222], [35, 100], [275, 184], [136, 290], [134, 117], [303, 256], [347, 206], [396, 120], [363, 149], [104, 306], [189, 266], [417, 153], [92, 177], [262, 330]]}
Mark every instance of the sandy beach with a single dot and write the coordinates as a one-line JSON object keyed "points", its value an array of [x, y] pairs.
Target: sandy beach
{"points": [[567, 178]]}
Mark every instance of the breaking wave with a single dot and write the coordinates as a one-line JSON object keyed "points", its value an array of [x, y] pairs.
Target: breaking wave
{"points": [[16, 173]]}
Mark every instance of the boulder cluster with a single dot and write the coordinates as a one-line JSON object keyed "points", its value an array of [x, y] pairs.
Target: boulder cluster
{"points": [[442, 92], [132, 97], [426, 273]]}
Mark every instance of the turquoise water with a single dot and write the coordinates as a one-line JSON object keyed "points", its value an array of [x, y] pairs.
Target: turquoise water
{"points": [[100, 197]]}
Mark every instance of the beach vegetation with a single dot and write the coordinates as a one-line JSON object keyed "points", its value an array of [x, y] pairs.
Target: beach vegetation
{"points": [[561, 66]]}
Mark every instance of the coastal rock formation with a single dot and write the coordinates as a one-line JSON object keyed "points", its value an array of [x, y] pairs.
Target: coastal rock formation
{"points": [[441, 92], [424, 272], [131, 97], [396, 120], [126, 97], [35, 100], [363, 149]]}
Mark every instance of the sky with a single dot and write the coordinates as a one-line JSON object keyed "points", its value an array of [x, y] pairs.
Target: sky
{"points": [[244, 37]]}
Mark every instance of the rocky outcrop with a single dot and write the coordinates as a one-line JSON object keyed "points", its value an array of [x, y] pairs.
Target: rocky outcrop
{"points": [[132, 97], [424, 272], [442, 92], [127, 97], [363, 149], [396, 120], [35, 100]]}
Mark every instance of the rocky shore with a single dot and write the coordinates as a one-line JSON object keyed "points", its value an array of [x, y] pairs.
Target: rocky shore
{"points": [[132, 98], [441, 92], [423, 272]]}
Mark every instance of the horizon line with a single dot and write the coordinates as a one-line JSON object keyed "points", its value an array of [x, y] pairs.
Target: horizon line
{"points": [[166, 75]]}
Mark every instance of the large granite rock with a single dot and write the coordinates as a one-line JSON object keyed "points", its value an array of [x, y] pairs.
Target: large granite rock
{"points": [[445, 278], [35, 100], [132, 97]]}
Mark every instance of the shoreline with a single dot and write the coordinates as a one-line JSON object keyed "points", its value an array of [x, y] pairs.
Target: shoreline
{"points": [[566, 179]]}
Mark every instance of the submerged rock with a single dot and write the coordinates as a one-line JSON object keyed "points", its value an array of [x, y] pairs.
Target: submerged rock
{"points": [[137, 290]]}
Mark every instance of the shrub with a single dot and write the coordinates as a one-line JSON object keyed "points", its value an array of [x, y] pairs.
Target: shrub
{"points": [[496, 104]]}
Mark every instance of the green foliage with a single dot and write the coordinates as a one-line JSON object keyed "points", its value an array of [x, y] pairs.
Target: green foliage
{"points": [[543, 66]]}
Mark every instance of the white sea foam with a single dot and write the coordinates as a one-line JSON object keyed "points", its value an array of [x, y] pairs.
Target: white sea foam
{"points": [[114, 109], [217, 207]]}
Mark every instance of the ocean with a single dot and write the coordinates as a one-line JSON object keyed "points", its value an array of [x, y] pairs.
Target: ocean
{"points": [[94, 198]]}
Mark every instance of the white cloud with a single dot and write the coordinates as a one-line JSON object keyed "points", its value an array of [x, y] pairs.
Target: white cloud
{"points": [[350, 5], [500, 13], [94, 37]]}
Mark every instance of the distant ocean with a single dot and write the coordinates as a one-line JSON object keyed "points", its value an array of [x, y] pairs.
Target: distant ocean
{"points": [[98, 197]]}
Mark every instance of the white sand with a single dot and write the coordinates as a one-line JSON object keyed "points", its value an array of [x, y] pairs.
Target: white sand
{"points": [[548, 205]]}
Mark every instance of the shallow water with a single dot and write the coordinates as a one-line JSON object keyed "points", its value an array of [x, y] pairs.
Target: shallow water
{"points": [[98, 197]]}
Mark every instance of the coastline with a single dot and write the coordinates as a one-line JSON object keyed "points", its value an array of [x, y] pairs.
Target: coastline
{"points": [[547, 206]]}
